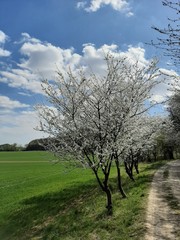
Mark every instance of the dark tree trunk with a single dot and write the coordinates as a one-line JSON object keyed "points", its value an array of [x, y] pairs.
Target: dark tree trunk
{"points": [[109, 200], [119, 180], [104, 186], [149, 158], [155, 156], [136, 166], [136, 163], [168, 153], [129, 170]]}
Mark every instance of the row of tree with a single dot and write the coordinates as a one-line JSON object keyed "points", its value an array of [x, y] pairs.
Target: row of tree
{"points": [[103, 120]]}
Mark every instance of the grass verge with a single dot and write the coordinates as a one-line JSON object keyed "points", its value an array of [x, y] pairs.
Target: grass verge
{"points": [[75, 209]]}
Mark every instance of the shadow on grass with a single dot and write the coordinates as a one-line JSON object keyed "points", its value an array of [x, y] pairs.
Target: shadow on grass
{"points": [[71, 213], [36, 213]]}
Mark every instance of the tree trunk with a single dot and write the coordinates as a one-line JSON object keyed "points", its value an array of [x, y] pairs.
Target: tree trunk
{"points": [[131, 168], [168, 153], [129, 171], [105, 188], [119, 180], [136, 166], [109, 200]]}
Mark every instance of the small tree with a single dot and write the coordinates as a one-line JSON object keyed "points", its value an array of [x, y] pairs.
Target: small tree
{"points": [[90, 116]]}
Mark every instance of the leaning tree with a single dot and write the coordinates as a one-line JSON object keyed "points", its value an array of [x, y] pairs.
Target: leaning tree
{"points": [[90, 115]]}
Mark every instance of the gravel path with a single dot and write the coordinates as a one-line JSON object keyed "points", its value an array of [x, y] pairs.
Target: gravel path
{"points": [[163, 213]]}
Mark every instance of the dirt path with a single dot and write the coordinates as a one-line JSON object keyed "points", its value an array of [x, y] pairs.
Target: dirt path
{"points": [[163, 213]]}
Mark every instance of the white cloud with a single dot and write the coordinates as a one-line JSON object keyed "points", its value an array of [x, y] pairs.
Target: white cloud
{"points": [[3, 39], [24, 94], [22, 79], [41, 60], [165, 89], [81, 4], [118, 5], [4, 53], [169, 72], [129, 14], [25, 37], [93, 58], [158, 98], [19, 127], [8, 103], [135, 54]]}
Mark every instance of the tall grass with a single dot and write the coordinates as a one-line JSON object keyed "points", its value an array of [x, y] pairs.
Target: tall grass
{"points": [[41, 200]]}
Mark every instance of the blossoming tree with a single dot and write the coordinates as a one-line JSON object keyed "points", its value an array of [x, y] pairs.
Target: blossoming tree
{"points": [[91, 115]]}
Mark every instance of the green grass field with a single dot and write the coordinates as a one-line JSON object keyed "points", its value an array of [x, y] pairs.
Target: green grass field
{"points": [[42, 200]]}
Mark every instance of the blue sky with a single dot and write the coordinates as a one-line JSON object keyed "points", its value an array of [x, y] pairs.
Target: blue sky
{"points": [[39, 36]]}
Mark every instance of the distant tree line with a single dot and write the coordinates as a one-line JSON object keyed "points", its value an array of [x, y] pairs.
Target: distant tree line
{"points": [[11, 147], [34, 145]]}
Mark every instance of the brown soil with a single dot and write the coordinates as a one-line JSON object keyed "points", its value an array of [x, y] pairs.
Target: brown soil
{"points": [[163, 212]]}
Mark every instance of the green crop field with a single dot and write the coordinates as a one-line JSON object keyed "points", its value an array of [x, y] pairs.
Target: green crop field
{"points": [[43, 200]]}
